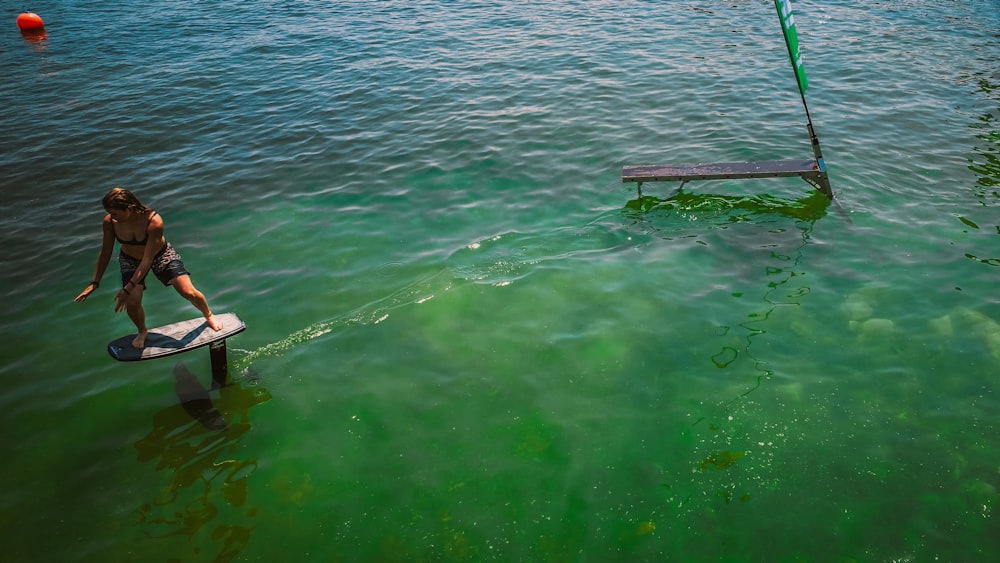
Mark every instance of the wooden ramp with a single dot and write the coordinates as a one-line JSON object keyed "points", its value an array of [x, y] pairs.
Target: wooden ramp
{"points": [[811, 171]]}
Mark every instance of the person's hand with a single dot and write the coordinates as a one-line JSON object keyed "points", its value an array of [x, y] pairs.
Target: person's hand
{"points": [[86, 293], [121, 299]]}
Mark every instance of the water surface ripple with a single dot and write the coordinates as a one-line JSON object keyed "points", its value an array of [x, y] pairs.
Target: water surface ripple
{"points": [[467, 339]]}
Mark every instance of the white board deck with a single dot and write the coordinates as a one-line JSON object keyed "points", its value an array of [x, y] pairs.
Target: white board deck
{"points": [[176, 338]]}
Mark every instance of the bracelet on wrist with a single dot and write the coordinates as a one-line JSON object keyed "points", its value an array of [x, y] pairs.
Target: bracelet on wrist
{"points": [[96, 284]]}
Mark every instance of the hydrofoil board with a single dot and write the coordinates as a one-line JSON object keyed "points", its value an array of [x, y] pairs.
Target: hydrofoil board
{"points": [[175, 338]]}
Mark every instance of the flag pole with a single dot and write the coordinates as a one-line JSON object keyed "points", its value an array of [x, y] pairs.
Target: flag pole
{"points": [[817, 152], [784, 8]]}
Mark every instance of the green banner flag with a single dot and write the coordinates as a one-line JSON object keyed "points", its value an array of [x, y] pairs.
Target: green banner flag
{"points": [[792, 41]]}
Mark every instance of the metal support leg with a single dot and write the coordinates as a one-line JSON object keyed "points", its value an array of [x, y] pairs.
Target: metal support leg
{"points": [[220, 365], [821, 182]]}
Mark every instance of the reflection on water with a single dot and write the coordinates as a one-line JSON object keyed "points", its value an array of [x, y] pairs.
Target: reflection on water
{"points": [[195, 399], [35, 37], [769, 250], [986, 163], [732, 209], [755, 241], [196, 443]]}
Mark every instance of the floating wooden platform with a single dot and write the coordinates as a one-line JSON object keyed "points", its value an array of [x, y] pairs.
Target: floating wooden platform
{"points": [[809, 170], [721, 171]]}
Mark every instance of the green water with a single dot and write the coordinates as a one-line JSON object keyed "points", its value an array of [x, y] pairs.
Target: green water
{"points": [[466, 339]]}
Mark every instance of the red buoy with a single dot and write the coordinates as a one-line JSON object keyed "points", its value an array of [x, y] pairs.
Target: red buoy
{"points": [[30, 21]]}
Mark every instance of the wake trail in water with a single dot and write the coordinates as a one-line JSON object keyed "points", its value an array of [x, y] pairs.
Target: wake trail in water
{"points": [[372, 313], [497, 260]]}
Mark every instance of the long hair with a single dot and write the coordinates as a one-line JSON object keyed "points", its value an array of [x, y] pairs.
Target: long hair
{"points": [[120, 198]]}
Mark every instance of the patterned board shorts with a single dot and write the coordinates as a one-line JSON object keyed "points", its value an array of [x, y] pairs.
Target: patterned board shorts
{"points": [[167, 265]]}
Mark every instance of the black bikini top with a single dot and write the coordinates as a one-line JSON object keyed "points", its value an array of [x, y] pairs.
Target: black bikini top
{"points": [[137, 242]]}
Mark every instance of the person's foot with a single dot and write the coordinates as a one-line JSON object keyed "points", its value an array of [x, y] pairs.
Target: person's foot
{"points": [[140, 340], [210, 319]]}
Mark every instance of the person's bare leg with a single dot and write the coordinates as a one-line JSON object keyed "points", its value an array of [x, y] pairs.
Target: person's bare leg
{"points": [[133, 306], [187, 290]]}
